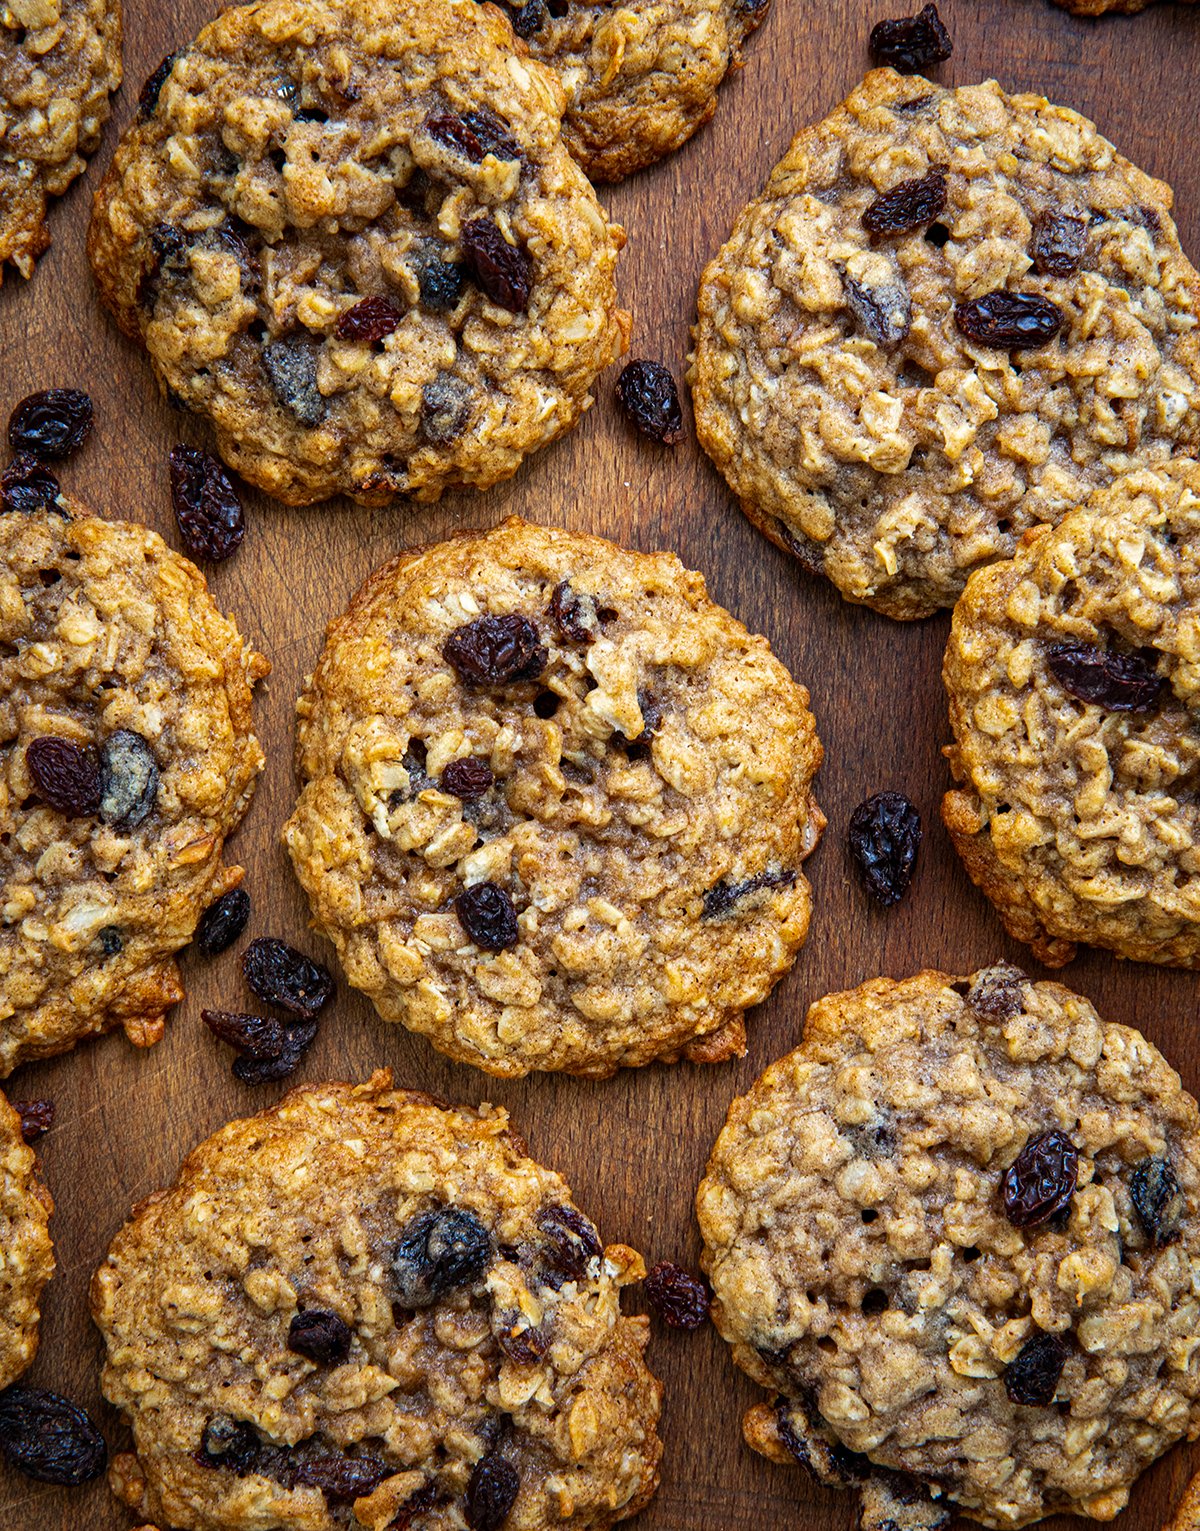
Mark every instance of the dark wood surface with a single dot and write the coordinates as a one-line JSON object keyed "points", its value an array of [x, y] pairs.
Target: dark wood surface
{"points": [[634, 1147]]}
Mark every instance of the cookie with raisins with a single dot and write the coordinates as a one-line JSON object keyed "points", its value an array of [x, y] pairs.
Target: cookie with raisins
{"points": [[956, 1234], [1073, 673], [364, 1297], [377, 271], [26, 1254], [555, 804], [950, 316]]}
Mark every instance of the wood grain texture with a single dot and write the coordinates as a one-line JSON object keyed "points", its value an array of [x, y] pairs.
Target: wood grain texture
{"points": [[633, 1148]]}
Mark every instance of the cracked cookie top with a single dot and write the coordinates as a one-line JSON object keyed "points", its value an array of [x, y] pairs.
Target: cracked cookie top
{"points": [[950, 316], [126, 757], [26, 1255], [555, 803], [362, 1308], [1073, 672], [348, 233], [956, 1232]]}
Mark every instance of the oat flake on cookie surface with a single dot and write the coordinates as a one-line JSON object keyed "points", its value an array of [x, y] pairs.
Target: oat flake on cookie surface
{"points": [[555, 804], [362, 1308], [134, 693], [349, 234], [956, 1233], [950, 316], [26, 1255], [1073, 673]]}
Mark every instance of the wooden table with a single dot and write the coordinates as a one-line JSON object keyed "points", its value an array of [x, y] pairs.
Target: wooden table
{"points": [[634, 1147]]}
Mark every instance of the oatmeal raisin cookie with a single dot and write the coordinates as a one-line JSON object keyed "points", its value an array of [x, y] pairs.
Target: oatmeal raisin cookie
{"points": [[26, 1256]]}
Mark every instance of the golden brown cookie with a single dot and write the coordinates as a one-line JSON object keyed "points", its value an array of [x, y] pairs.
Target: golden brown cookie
{"points": [[26, 1255]]}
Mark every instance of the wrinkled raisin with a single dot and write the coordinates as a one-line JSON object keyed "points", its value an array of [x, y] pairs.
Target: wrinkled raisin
{"points": [[417, 1503], [1032, 1376], [573, 613], [502, 272], [469, 778], [529, 18], [491, 1493], [996, 992], [492, 134], [1058, 244], [445, 408], [49, 1438], [907, 206], [369, 321], [648, 395], [51, 424], [37, 1118], [1158, 1200], [298, 1037], [282, 976], [1116, 681], [495, 651], [474, 134], [486, 913], [231, 1444], [292, 369], [222, 923], [521, 1344], [152, 89], [337, 1476], [1041, 1180], [825, 1459], [128, 780], [254, 1036], [26, 485], [66, 775], [679, 1299], [1009, 320], [911, 44], [319, 1336], [725, 895], [441, 283], [571, 1243], [439, 1252], [885, 834], [883, 312], [207, 507]]}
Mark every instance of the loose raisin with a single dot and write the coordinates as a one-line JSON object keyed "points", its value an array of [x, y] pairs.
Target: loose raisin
{"points": [[647, 393], [128, 780], [468, 778], [885, 834], [254, 1036], [1158, 1200], [1032, 1376], [911, 44], [571, 1243], [1058, 244], [679, 1299], [441, 283], [51, 424], [319, 1336], [1009, 320], [491, 1493], [439, 1252], [496, 651], [292, 370], [66, 775], [282, 976], [26, 485], [222, 923], [502, 272], [49, 1438], [369, 321], [996, 992], [1041, 1180], [486, 913], [445, 408], [725, 896], [908, 206], [207, 508], [884, 312], [573, 613], [1118, 682], [298, 1037], [152, 89], [37, 1118]]}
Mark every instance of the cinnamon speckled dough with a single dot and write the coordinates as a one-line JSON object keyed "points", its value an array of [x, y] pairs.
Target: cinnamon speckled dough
{"points": [[103, 629], [864, 1270], [59, 62], [1081, 823], [26, 1256], [896, 466], [640, 77], [303, 1207], [326, 161], [662, 754]]}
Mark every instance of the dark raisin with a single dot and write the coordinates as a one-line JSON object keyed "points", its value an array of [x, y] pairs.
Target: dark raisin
{"points": [[51, 424], [474, 134], [529, 18], [292, 369], [891, 1500], [110, 941], [638, 748], [1058, 243], [492, 134], [1116, 681], [337, 1476], [369, 321], [1032, 1377], [1009, 320], [128, 780], [319, 1336], [502, 272], [152, 89], [468, 778], [445, 408], [883, 312], [49, 1438], [908, 206], [911, 44], [996, 992], [282, 976], [207, 507], [647, 393], [231, 1444], [298, 1037], [571, 1243], [1158, 1200], [416, 1504], [725, 896], [679, 1299], [414, 194], [885, 834], [168, 246], [439, 1252], [441, 283], [222, 923], [521, 1344], [254, 1036], [1041, 1180], [573, 614], [37, 1118], [486, 913], [496, 651], [26, 486], [810, 555], [65, 775], [826, 1459], [491, 1493]]}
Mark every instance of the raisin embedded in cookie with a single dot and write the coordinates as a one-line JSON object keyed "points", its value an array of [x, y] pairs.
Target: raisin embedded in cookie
{"points": [[1073, 672], [365, 1308], [956, 1233], [126, 757], [555, 804], [59, 62], [26, 1256], [950, 316], [376, 270]]}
